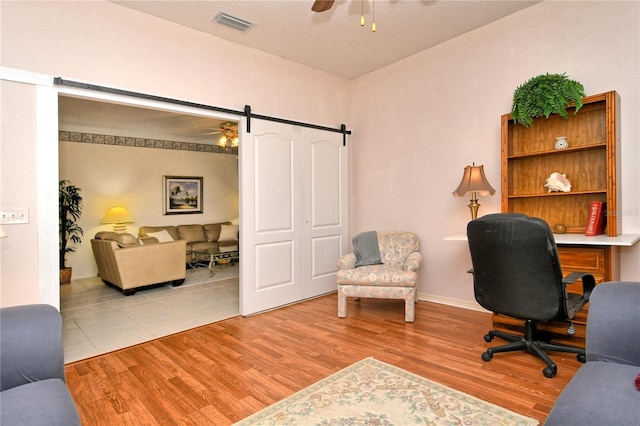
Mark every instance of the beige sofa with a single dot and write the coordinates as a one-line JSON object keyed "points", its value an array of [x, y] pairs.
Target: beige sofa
{"points": [[196, 237], [125, 263]]}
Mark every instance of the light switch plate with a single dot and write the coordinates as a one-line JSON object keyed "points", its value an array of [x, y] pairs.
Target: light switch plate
{"points": [[18, 215]]}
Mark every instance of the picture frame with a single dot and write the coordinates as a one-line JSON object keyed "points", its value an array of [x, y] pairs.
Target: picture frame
{"points": [[182, 194]]}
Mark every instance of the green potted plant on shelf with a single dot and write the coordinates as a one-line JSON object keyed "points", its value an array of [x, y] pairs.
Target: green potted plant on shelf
{"points": [[70, 209], [544, 95]]}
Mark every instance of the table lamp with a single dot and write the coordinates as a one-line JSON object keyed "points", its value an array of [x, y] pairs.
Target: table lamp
{"points": [[119, 216], [474, 181]]}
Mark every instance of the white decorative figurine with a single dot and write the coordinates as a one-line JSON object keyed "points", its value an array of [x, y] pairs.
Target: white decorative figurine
{"points": [[561, 143], [557, 182]]}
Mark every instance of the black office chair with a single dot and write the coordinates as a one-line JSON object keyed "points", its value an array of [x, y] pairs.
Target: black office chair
{"points": [[516, 272]]}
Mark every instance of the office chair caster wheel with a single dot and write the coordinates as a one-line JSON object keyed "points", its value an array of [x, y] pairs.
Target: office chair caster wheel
{"points": [[486, 356], [548, 372], [582, 358], [488, 337]]}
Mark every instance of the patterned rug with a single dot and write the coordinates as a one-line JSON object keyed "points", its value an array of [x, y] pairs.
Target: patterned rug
{"points": [[371, 392]]}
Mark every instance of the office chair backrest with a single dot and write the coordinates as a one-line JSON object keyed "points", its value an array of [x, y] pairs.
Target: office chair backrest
{"points": [[516, 269]]}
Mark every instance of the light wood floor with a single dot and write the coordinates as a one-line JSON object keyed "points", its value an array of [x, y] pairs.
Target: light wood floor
{"points": [[223, 372]]}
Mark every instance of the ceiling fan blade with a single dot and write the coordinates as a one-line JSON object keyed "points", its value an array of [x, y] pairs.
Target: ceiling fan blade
{"points": [[322, 5]]}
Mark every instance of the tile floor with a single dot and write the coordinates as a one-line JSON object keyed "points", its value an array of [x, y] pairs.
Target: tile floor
{"points": [[97, 319]]}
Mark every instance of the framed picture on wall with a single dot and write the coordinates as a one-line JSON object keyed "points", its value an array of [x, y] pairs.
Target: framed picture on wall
{"points": [[182, 194]]}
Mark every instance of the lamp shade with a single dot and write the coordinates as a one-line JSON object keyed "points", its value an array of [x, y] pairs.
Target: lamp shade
{"points": [[474, 180], [2, 233], [118, 216]]}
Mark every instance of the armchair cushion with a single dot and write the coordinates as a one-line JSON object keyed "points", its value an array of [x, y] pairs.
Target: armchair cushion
{"points": [[376, 275], [365, 248]]}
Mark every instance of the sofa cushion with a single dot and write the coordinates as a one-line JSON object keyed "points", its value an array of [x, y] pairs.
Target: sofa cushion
{"points": [[212, 231], [191, 233], [144, 231], [45, 402], [601, 393], [203, 245], [228, 233], [162, 236]]}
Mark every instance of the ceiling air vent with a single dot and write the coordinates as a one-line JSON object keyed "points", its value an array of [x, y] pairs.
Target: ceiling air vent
{"points": [[232, 21]]}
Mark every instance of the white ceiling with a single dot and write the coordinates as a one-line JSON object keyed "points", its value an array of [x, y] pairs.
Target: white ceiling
{"points": [[90, 116], [334, 41]]}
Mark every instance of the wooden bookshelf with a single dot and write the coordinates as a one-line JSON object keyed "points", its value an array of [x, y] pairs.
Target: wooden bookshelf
{"points": [[591, 165]]}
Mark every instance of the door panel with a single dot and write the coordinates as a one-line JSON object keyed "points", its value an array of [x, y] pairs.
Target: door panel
{"points": [[274, 183], [327, 232], [293, 213]]}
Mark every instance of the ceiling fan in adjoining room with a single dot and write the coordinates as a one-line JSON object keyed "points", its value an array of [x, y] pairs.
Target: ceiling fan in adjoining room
{"points": [[228, 132], [322, 5]]}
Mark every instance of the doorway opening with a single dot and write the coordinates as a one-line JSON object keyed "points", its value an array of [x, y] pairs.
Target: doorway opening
{"points": [[118, 154]]}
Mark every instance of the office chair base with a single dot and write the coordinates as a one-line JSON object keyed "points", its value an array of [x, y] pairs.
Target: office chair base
{"points": [[531, 343]]}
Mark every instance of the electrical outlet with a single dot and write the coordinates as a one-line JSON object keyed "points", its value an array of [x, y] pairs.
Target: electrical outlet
{"points": [[12, 216]]}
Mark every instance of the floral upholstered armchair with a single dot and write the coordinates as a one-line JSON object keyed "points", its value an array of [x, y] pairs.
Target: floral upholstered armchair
{"points": [[393, 275]]}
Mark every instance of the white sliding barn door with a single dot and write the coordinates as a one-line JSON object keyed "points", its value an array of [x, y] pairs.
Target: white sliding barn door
{"points": [[293, 211]]}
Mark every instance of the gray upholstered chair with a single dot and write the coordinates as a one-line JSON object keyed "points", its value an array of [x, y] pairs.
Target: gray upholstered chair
{"points": [[604, 390], [32, 381], [392, 275]]}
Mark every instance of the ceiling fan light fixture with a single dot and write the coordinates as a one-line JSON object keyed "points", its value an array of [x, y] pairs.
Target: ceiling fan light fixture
{"points": [[232, 21]]}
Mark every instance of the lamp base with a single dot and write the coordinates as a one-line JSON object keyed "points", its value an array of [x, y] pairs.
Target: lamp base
{"points": [[474, 206], [120, 228]]}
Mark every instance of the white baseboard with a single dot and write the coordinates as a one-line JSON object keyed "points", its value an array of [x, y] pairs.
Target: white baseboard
{"points": [[459, 303]]}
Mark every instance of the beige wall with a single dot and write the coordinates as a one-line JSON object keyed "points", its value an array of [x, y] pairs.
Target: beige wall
{"points": [[112, 175], [420, 121], [416, 123], [103, 43], [19, 259]]}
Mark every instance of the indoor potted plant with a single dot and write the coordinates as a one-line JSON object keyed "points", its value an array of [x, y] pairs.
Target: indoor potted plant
{"points": [[544, 95], [70, 208]]}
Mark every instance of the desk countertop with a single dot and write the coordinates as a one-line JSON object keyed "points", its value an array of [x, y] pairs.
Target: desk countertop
{"points": [[624, 240]]}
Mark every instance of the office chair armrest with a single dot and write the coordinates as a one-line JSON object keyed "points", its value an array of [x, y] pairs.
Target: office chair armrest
{"points": [[588, 282]]}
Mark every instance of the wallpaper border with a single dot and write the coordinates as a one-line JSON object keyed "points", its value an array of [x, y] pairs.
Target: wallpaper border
{"points": [[80, 137]]}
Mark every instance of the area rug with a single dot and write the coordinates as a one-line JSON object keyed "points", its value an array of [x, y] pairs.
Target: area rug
{"points": [[371, 392]]}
